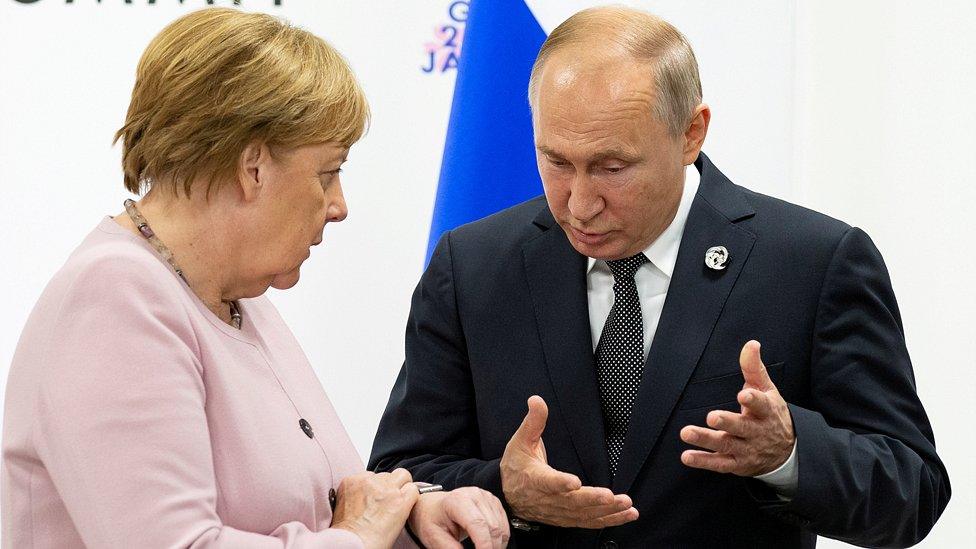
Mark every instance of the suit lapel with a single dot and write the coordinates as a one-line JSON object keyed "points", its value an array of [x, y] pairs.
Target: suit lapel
{"points": [[557, 283], [694, 302]]}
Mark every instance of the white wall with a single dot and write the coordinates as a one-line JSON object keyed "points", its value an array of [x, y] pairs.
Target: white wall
{"points": [[884, 139], [813, 101]]}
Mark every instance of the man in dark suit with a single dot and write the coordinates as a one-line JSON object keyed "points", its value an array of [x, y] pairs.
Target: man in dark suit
{"points": [[632, 299]]}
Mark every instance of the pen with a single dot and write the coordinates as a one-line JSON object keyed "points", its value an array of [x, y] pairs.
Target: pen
{"points": [[422, 487], [426, 488]]}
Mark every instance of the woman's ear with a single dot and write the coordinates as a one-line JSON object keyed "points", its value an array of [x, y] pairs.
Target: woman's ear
{"points": [[252, 166]]}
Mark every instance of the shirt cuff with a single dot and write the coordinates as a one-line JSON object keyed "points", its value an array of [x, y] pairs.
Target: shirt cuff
{"points": [[783, 479]]}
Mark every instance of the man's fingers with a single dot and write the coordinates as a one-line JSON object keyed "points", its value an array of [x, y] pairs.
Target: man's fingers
{"points": [[616, 519], [494, 506], [496, 518], [590, 507], [592, 513], [468, 516], [593, 496], [438, 538], [755, 403], [530, 431], [752, 366], [490, 517], [732, 423], [717, 441], [556, 482], [589, 502], [588, 496], [720, 463]]}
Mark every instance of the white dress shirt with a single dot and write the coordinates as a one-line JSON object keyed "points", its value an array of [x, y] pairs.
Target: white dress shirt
{"points": [[652, 280]]}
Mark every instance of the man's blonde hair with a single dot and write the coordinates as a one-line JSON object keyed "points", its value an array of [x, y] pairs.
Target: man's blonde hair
{"points": [[645, 37], [215, 80]]}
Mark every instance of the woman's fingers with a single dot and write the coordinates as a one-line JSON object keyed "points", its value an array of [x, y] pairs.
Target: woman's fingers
{"points": [[401, 477]]}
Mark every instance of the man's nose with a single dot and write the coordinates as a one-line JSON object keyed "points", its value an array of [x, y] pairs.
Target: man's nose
{"points": [[584, 202]]}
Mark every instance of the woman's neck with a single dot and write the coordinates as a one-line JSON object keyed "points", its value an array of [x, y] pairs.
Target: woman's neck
{"points": [[188, 229]]}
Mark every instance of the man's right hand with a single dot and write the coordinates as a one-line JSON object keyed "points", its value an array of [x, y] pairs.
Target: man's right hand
{"points": [[536, 492]]}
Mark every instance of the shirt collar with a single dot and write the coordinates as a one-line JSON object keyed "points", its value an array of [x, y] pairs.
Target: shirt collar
{"points": [[663, 252]]}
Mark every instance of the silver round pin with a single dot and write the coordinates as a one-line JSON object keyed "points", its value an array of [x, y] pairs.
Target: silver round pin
{"points": [[716, 258]]}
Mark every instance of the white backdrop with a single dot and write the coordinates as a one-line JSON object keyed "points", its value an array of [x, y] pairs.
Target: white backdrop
{"points": [[859, 110]]}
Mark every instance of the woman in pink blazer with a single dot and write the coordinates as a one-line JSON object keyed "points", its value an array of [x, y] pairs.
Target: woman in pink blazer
{"points": [[156, 398]]}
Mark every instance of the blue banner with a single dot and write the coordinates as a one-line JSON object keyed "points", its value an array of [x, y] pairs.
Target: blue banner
{"points": [[489, 155]]}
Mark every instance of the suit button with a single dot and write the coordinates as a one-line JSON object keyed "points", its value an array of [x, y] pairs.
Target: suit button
{"points": [[306, 428], [610, 545]]}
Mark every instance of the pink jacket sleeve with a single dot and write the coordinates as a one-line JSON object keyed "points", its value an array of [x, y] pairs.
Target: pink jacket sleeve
{"points": [[120, 422]]}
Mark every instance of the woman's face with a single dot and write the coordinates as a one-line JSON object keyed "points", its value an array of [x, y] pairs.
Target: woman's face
{"points": [[297, 193]]}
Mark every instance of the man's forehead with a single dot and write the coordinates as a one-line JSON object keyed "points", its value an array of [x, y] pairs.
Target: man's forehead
{"points": [[593, 113], [572, 88], [595, 66]]}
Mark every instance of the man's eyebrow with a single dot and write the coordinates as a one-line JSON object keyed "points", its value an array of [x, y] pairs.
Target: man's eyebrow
{"points": [[547, 151], [602, 155], [616, 153]]}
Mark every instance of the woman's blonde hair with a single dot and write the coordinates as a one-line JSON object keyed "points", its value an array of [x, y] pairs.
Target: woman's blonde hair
{"points": [[217, 79]]}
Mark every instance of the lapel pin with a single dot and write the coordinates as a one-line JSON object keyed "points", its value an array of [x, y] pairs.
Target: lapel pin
{"points": [[716, 258]]}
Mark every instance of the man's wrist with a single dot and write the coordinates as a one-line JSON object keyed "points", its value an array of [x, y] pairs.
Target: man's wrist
{"points": [[783, 479], [418, 513]]}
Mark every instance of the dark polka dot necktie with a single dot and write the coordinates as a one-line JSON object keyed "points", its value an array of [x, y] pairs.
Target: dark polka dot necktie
{"points": [[620, 355]]}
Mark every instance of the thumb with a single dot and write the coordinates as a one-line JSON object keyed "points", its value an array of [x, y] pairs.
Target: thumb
{"points": [[410, 492], [753, 369], [530, 431], [558, 482]]}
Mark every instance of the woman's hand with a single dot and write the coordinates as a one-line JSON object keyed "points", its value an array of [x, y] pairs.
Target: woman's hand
{"points": [[441, 519], [375, 506]]}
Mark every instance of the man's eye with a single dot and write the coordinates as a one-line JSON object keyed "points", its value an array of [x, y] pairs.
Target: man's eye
{"points": [[614, 169], [557, 163]]}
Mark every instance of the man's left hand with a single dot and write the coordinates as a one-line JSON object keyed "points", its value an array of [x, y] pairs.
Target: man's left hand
{"points": [[441, 519], [753, 442]]}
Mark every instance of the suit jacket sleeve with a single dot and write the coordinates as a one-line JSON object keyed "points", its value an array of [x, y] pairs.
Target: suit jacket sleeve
{"points": [[430, 425], [868, 470]]}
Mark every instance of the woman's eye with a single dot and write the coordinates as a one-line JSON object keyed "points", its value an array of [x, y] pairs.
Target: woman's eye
{"points": [[326, 177]]}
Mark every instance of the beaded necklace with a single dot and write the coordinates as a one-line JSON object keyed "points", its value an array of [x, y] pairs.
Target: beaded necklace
{"points": [[146, 231]]}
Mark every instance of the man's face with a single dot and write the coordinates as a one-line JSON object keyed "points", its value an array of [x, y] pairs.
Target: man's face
{"points": [[612, 174]]}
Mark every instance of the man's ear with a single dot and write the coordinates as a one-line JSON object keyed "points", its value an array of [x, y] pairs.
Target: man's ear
{"points": [[694, 136], [251, 167]]}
